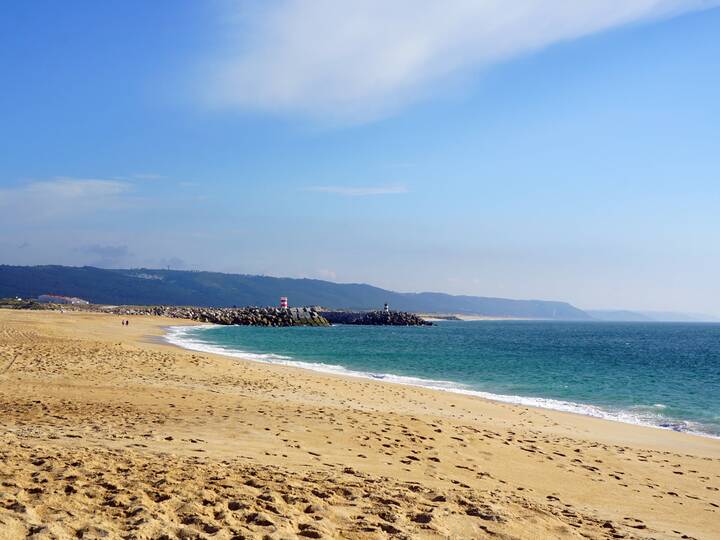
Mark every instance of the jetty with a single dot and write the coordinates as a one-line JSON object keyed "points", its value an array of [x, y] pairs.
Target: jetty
{"points": [[383, 317], [244, 316]]}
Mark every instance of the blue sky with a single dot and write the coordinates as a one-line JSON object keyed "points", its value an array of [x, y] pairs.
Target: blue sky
{"points": [[564, 150]]}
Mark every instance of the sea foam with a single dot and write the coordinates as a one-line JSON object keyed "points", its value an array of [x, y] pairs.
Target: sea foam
{"points": [[182, 336]]}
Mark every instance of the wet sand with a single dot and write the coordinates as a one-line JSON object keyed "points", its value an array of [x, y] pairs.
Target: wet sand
{"points": [[107, 433]]}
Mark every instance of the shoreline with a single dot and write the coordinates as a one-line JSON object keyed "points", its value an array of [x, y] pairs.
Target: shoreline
{"points": [[128, 434], [585, 410]]}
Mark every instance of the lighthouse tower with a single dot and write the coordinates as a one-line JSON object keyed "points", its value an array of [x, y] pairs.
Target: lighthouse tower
{"points": [[283, 302]]}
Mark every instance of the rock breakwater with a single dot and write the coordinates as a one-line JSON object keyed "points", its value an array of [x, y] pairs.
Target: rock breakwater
{"points": [[246, 316], [375, 318]]}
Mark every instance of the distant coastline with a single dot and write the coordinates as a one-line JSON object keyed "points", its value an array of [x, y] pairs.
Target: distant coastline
{"points": [[145, 286], [436, 317]]}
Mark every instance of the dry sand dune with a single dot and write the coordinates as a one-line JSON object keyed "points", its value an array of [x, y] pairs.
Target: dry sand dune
{"points": [[107, 433]]}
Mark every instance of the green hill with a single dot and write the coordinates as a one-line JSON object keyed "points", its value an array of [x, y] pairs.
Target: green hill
{"points": [[144, 286]]}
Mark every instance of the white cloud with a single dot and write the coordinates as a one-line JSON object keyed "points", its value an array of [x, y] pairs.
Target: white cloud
{"points": [[364, 191], [61, 197], [359, 59]]}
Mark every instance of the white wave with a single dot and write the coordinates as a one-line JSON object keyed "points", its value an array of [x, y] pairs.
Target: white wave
{"points": [[181, 336]]}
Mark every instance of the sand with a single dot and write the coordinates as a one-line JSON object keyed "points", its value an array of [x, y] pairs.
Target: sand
{"points": [[108, 433], [432, 317]]}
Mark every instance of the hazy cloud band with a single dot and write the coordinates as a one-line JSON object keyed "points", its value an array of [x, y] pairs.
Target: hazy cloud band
{"points": [[359, 59]]}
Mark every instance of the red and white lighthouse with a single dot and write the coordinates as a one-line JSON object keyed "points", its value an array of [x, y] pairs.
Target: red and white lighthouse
{"points": [[283, 302]]}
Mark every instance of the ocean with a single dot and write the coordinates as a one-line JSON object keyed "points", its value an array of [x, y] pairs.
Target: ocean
{"points": [[665, 375]]}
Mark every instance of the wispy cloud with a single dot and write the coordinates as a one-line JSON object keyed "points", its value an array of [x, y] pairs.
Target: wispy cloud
{"points": [[112, 252], [327, 274], [149, 176], [174, 263], [360, 59], [357, 191], [61, 196], [107, 255]]}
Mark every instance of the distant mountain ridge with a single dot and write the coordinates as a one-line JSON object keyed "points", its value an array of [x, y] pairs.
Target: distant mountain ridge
{"points": [[145, 286], [619, 315]]}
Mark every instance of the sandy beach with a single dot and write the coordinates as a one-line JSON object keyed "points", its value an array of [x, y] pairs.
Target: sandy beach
{"points": [[107, 432]]}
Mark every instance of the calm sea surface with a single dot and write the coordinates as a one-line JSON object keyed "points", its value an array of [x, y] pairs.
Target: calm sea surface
{"points": [[661, 374]]}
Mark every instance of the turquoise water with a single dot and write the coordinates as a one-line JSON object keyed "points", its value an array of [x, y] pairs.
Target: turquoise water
{"points": [[660, 374]]}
